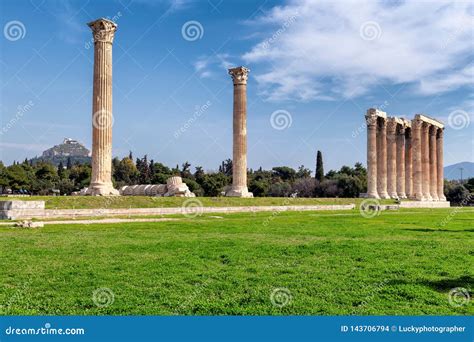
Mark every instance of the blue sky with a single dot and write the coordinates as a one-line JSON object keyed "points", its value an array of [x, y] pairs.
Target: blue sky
{"points": [[317, 66]]}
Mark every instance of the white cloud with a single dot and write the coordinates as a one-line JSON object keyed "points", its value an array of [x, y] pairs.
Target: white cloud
{"points": [[205, 66], [322, 49]]}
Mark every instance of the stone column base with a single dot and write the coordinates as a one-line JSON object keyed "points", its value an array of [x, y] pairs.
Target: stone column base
{"points": [[239, 193], [98, 189], [373, 195], [384, 195]]}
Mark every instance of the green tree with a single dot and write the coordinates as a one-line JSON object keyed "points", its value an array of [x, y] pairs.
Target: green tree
{"points": [[303, 172], [319, 166], [284, 173], [126, 173], [213, 184]]}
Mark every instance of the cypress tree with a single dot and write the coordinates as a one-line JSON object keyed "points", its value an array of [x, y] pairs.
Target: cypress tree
{"points": [[319, 166]]}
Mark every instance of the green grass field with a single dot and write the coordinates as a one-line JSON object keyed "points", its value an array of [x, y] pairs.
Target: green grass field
{"points": [[95, 202], [331, 263]]}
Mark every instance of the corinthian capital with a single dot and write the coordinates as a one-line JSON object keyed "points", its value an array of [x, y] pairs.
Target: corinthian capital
{"points": [[103, 30], [391, 125], [239, 75]]}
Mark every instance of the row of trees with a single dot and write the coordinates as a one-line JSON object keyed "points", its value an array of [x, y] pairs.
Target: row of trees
{"points": [[282, 181]]}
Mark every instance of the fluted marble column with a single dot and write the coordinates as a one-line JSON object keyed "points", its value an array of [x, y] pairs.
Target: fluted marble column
{"points": [[417, 164], [440, 163], [433, 164], [401, 161], [371, 120], [239, 162], [382, 158], [103, 31], [392, 158], [425, 160], [408, 164]]}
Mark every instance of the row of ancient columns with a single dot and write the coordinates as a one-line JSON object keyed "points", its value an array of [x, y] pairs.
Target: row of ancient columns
{"points": [[404, 158]]}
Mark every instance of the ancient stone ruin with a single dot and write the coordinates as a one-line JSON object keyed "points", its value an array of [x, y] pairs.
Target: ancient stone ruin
{"points": [[103, 31], [174, 187], [239, 159], [404, 158]]}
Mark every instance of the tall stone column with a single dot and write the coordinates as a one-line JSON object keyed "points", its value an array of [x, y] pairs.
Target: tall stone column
{"points": [[408, 164], [371, 120], [392, 158], [382, 158], [401, 161], [103, 31], [239, 161], [425, 160], [433, 164], [440, 163], [417, 165]]}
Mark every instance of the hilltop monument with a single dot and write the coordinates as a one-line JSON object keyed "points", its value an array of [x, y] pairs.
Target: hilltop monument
{"points": [[103, 31], [239, 159], [404, 158]]}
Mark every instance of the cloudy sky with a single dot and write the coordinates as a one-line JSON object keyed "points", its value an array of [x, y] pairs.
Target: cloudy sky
{"points": [[316, 67]]}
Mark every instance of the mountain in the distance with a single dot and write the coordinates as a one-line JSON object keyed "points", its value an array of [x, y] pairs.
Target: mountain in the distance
{"points": [[69, 149], [453, 172]]}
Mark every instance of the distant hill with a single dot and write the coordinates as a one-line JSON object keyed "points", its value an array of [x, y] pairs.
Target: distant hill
{"points": [[453, 172], [61, 153]]}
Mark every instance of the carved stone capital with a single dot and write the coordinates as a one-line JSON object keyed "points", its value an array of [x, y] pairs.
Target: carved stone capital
{"points": [[440, 133], [391, 126], [425, 127], [417, 123], [239, 75], [371, 120], [433, 130], [103, 30], [401, 130]]}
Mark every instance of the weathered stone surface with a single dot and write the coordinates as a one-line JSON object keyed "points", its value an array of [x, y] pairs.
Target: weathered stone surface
{"points": [[174, 187], [13, 210], [103, 31], [371, 121], [404, 158], [182, 210], [239, 160]]}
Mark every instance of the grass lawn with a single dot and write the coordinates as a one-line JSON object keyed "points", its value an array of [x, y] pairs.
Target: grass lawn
{"points": [[96, 202], [330, 263]]}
